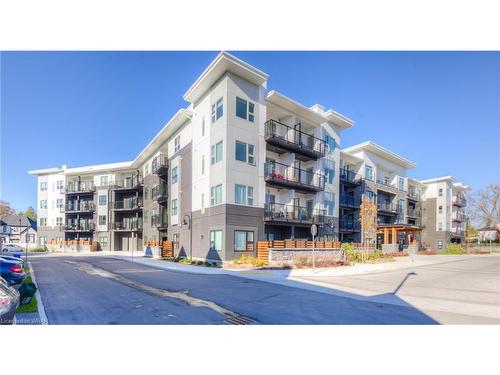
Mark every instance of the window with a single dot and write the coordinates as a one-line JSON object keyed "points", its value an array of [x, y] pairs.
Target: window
{"points": [[331, 143], [368, 172], [43, 221], [215, 195], [103, 200], [43, 186], [42, 240], [174, 175], [177, 143], [60, 184], [203, 126], [103, 241], [146, 169], [216, 240], [202, 202], [440, 192], [174, 207], [329, 207], [243, 240], [102, 219], [59, 202], [440, 226], [245, 109], [43, 203], [202, 165], [369, 194], [59, 221], [216, 153], [329, 175], [30, 238], [245, 152], [440, 209], [401, 183], [243, 194], [104, 181], [217, 110]]}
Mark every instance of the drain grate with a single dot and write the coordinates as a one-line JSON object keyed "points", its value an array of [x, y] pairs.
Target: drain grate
{"points": [[239, 320]]}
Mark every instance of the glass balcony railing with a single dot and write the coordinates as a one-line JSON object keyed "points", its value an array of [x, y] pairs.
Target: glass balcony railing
{"points": [[129, 183]]}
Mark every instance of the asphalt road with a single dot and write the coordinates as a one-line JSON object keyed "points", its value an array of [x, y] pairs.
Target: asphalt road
{"points": [[459, 291], [105, 290]]}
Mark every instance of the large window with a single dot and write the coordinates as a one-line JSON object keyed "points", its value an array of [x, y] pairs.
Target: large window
{"points": [[243, 240], [216, 153], [245, 109], [103, 200], [174, 175], [43, 186], [59, 221], [216, 240], [331, 143], [43, 203], [217, 110], [245, 152], [103, 241], [368, 172], [243, 194], [329, 207], [104, 181], [216, 195], [59, 202], [174, 207], [102, 219], [60, 184], [329, 175]]}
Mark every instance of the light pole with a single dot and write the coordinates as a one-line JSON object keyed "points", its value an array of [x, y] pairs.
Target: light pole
{"points": [[26, 256], [186, 220]]}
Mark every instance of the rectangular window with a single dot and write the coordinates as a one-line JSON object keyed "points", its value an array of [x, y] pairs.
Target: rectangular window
{"points": [[202, 165], [104, 181], [43, 203], [245, 152], [329, 175], [245, 109], [331, 143], [177, 143], [202, 202], [43, 186], [174, 175], [103, 241], [102, 219], [250, 195], [59, 221], [240, 194], [146, 169], [440, 226], [243, 240], [440, 209], [401, 183], [217, 110], [216, 153], [440, 192], [174, 207], [59, 203], [216, 195], [368, 173], [216, 240], [43, 221], [42, 240], [60, 184], [329, 207], [103, 200]]}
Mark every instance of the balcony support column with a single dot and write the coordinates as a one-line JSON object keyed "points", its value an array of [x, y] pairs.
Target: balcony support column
{"points": [[386, 235], [394, 236]]}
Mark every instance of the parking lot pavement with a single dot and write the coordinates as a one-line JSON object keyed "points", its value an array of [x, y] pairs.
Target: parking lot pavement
{"points": [[461, 290], [106, 290]]}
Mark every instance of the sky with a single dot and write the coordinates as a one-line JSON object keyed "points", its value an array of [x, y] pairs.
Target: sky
{"points": [[440, 110]]}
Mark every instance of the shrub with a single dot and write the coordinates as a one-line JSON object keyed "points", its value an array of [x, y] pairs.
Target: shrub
{"points": [[244, 259], [320, 260], [454, 249]]}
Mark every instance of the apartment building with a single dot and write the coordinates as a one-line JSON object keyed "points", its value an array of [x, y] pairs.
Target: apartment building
{"points": [[239, 164], [445, 200]]}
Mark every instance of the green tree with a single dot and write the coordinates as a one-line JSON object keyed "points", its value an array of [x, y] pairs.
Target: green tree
{"points": [[30, 213]]}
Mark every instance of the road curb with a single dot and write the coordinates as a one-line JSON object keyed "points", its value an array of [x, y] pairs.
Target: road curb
{"points": [[41, 308]]}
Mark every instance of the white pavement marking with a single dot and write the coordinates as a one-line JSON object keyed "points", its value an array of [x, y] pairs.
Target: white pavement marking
{"points": [[41, 308]]}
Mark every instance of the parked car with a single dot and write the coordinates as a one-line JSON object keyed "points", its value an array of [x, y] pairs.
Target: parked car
{"points": [[9, 301], [11, 248], [12, 271], [12, 258]]}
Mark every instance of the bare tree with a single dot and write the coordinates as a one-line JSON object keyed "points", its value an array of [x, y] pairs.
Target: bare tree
{"points": [[484, 206], [5, 208]]}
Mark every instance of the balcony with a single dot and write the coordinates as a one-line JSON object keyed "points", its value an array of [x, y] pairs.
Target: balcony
{"points": [[130, 183], [282, 138], [159, 165], [159, 193], [458, 200], [159, 221], [413, 212], [82, 226], [385, 207], [285, 176], [346, 226], [127, 225], [458, 216], [349, 177], [287, 213], [128, 205], [413, 195], [80, 187], [387, 187], [76, 207], [349, 202], [457, 232]]}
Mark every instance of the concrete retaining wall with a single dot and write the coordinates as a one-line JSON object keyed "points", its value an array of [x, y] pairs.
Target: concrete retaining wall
{"points": [[69, 248]]}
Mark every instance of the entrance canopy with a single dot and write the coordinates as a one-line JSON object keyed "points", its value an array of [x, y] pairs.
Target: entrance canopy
{"points": [[392, 232]]}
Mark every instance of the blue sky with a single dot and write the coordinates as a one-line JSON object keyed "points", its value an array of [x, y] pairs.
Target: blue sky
{"points": [[441, 110]]}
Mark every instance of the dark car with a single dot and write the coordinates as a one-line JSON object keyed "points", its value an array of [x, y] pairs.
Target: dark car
{"points": [[9, 301], [12, 258], [12, 271]]}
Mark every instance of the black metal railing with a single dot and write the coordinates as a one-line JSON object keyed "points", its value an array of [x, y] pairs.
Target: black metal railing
{"points": [[80, 187], [349, 176], [459, 200], [133, 182], [132, 224], [348, 201], [413, 212], [78, 206], [458, 216], [289, 212], [128, 204], [387, 207], [349, 225], [289, 176], [159, 192], [159, 221], [288, 137], [80, 226], [415, 195], [159, 164]]}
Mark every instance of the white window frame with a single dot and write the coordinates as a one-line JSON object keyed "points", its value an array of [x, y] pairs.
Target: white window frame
{"points": [[177, 143], [44, 186], [249, 156], [213, 153], [175, 207], [213, 239], [249, 109], [213, 195], [105, 198], [175, 174], [215, 110], [99, 219], [104, 181]]}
